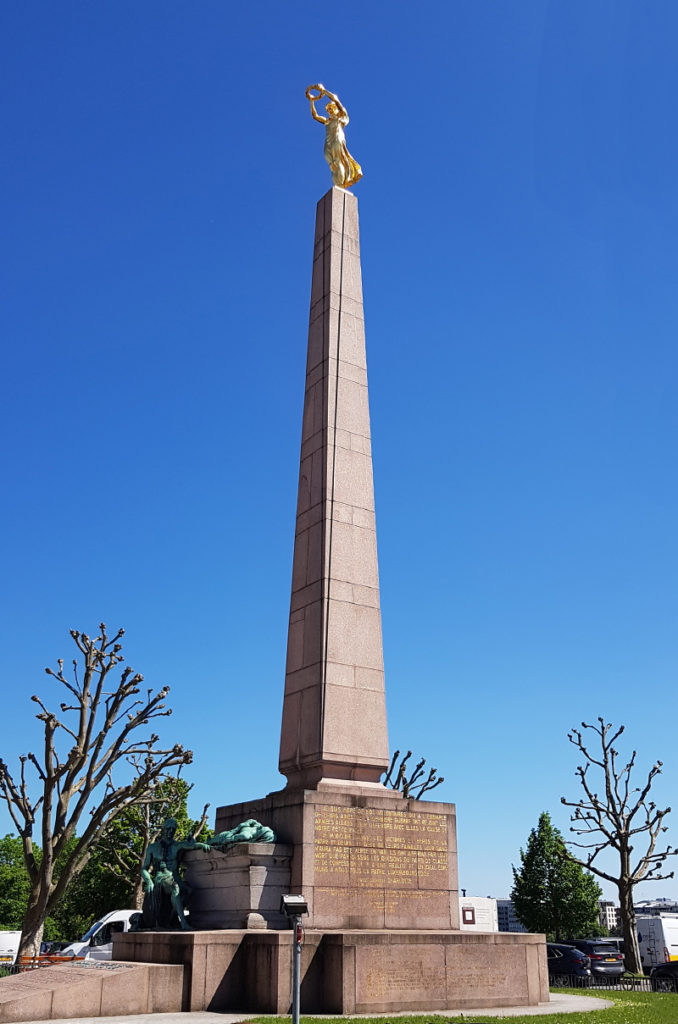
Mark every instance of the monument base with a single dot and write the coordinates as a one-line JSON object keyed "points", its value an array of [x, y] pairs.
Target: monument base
{"points": [[240, 888], [348, 972], [363, 857]]}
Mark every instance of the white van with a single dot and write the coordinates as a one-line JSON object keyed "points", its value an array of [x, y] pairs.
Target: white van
{"points": [[9, 947], [97, 942], [658, 939]]}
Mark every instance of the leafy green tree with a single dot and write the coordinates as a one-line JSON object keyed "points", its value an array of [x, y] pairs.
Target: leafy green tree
{"points": [[89, 896], [552, 893], [14, 884]]}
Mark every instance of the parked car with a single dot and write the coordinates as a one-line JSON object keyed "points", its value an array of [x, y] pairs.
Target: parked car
{"points": [[97, 942], [607, 963], [664, 977], [567, 962], [52, 948]]}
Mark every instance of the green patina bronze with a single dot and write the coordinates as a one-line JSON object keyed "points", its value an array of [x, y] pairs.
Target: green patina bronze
{"points": [[249, 831], [166, 893]]}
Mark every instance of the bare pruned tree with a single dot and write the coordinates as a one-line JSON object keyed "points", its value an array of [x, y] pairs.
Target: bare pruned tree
{"points": [[615, 820], [99, 719], [411, 786]]}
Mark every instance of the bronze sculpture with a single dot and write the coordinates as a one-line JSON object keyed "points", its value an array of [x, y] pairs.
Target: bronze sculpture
{"points": [[166, 893], [249, 831], [165, 886]]}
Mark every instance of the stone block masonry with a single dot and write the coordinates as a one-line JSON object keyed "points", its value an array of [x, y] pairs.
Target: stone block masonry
{"points": [[92, 989], [334, 710], [364, 860]]}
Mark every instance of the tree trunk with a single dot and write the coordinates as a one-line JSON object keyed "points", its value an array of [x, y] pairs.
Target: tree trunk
{"points": [[138, 894], [31, 931], [627, 914]]}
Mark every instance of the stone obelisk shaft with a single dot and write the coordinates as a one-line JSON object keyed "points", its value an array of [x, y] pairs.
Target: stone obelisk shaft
{"points": [[334, 713]]}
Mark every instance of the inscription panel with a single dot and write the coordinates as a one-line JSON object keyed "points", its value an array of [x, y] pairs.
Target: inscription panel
{"points": [[334, 907], [404, 974], [415, 831], [366, 848], [349, 826], [331, 865], [490, 970], [432, 869], [392, 869]]}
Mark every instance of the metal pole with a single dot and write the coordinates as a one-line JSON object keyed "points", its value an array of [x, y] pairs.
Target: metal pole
{"points": [[296, 968]]}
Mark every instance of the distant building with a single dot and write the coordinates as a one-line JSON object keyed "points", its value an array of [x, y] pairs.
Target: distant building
{"points": [[506, 916], [609, 918], [648, 908], [478, 914], [608, 915]]}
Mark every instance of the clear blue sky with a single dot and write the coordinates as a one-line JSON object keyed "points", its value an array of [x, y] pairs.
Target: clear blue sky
{"points": [[519, 219]]}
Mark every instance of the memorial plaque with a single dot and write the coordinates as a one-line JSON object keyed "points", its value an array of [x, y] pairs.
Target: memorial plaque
{"points": [[404, 974], [376, 867], [488, 971], [374, 847]]}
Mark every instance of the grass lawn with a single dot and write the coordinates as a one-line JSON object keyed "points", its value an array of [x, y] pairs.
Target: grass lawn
{"points": [[629, 1008]]}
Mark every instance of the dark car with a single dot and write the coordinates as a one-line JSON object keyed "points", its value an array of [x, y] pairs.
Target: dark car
{"points": [[51, 948], [607, 963], [664, 977], [567, 962]]}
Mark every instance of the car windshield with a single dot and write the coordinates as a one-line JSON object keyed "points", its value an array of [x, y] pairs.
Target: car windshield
{"points": [[90, 931], [604, 950]]}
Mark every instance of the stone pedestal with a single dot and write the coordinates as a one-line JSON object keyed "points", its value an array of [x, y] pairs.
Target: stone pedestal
{"points": [[349, 972], [240, 888], [364, 859]]}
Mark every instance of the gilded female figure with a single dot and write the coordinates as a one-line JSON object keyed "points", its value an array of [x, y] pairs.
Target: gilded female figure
{"points": [[345, 170]]}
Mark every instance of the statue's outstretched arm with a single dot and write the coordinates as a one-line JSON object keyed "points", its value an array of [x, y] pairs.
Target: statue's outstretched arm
{"points": [[321, 91], [316, 116], [192, 844]]}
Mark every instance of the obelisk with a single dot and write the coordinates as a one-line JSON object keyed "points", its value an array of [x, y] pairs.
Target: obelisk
{"points": [[376, 871], [334, 712]]}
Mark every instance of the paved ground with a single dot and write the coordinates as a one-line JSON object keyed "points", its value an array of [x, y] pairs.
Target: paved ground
{"points": [[558, 1004]]}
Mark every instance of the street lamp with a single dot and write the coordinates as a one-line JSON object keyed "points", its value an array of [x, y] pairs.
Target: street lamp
{"points": [[293, 907]]}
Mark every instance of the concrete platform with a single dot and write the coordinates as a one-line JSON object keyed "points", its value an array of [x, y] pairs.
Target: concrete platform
{"points": [[559, 1003]]}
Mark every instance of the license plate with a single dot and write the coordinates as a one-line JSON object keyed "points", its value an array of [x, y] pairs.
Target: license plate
{"points": [[610, 959], [6, 959]]}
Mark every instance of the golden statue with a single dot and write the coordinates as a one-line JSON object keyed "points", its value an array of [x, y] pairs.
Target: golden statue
{"points": [[345, 170]]}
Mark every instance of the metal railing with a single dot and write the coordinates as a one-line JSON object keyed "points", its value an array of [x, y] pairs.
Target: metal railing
{"points": [[625, 982]]}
